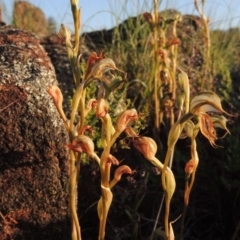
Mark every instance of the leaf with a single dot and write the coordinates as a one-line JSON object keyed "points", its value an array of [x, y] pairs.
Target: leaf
{"points": [[171, 234], [160, 233]]}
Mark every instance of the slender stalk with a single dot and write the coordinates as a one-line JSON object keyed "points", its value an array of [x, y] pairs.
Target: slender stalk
{"points": [[105, 189], [184, 209], [157, 217], [189, 183], [163, 197], [72, 199]]}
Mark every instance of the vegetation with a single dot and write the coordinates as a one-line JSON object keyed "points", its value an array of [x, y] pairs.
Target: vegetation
{"points": [[161, 102]]}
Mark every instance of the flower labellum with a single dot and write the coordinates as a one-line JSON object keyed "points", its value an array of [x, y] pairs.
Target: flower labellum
{"points": [[207, 129], [189, 167], [112, 159], [124, 169]]}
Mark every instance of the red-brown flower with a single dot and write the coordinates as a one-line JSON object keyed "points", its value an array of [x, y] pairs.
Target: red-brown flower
{"points": [[125, 118]]}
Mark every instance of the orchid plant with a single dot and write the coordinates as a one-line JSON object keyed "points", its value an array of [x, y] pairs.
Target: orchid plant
{"points": [[98, 69], [205, 108]]}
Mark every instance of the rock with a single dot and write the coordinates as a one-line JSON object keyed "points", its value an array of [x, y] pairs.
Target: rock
{"points": [[34, 167], [29, 17]]}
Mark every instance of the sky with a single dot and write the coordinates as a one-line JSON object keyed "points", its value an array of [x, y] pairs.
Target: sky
{"points": [[104, 14]]}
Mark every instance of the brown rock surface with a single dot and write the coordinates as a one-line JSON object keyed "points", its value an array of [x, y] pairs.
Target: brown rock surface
{"points": [[33, 159], [29, 17]]}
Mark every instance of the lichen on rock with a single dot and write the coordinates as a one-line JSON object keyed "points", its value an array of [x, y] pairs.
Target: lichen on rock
{"points": [[34, 166]]}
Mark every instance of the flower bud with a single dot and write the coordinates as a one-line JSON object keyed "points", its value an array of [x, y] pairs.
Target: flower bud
{"points": [[126, 118], [147, 146], [148, 17], [92, 103], [189, 167], [102, 108], [57, 97], [65, 33]]}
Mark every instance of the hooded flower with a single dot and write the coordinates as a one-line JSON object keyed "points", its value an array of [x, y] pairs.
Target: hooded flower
{"points": [[92, 60], [102, 108], [125, 118], [189, 167], [206, 102], [146, 145], [82, 144]]}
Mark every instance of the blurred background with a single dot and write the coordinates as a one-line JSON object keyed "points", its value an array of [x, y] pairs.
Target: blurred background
{"points": [[104, 14]]}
